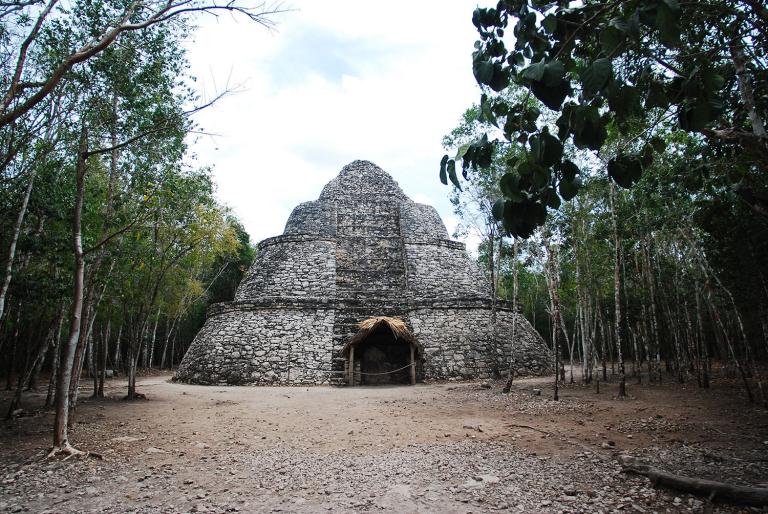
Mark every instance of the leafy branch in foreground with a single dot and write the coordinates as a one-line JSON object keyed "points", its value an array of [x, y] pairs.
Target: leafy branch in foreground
{"points": [[611, 67]]}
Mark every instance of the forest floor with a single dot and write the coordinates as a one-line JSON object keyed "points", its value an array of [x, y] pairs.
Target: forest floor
{"points": [[453, 448]]}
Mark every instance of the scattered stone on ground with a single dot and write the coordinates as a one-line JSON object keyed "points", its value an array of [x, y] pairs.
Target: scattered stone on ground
{"points": [[430, 448]]}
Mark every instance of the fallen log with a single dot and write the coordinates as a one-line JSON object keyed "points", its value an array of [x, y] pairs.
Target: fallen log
{"points": [[714, 490]]}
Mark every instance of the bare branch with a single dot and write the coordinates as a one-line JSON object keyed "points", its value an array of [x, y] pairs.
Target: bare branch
{"points": [[166, 11], [22, 59]]}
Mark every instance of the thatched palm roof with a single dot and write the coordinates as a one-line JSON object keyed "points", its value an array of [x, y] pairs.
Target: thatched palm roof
{"points": [[396, 325]]}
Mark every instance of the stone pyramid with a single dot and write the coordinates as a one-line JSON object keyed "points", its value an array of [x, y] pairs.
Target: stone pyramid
{"points": [[362, 249]]}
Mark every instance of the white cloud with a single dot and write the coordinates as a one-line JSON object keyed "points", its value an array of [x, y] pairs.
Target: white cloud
{"points": [[337, 81]]}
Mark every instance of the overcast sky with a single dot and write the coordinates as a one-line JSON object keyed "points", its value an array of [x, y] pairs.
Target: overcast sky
{"points": [[334, 82]]}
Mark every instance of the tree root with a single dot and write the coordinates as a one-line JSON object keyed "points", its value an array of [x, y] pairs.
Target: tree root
{"points": [[732, 493], [136, 396], [70, 451]]}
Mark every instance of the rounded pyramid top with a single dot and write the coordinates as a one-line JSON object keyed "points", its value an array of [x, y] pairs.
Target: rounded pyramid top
{"points": [[364, 193], [361, 177]]}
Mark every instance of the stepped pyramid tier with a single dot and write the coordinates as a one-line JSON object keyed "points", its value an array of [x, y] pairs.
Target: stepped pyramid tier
{"points": [[362, 250]]}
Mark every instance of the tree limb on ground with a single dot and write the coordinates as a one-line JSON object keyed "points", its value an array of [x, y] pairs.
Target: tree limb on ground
{"points": [[732, 493]]}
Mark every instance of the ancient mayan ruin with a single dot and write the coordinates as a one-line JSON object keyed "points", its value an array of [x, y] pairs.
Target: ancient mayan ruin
{"points": [[362, 250]]}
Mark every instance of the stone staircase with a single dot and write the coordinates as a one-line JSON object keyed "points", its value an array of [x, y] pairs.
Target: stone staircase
{"points": [[366, 274]]}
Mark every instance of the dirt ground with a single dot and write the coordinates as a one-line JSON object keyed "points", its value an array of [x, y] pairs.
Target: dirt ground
{"points": [[454, 448]]}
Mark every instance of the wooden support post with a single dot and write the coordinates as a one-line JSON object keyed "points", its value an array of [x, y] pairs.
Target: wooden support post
{"points": [[413, 365], [351, 365]]}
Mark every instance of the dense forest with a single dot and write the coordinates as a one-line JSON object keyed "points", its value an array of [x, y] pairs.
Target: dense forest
{"points": [[113, 241], [615, 171], [692, 281]]}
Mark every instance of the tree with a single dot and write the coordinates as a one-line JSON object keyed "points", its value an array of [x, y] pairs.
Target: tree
{"points": [[24, 85], [637, 67], [113, 118]]}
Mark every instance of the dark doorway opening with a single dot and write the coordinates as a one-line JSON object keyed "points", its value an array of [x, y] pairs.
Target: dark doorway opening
{"points": [[384, 359], [382, 352]]}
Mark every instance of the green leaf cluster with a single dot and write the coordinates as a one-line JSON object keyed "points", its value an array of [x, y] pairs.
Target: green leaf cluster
{"points": [[611, 67]]}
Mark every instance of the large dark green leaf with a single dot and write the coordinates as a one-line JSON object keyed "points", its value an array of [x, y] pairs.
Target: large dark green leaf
{"points": [[588, 128], [658, 144], [552, 96], [486, 111], [565, 121], [625, 170], [534, 72], [546, 149], [657, 97], [498, 210], [569, 170], [549, 23], [668, 24], [696, 116], [452, 174], [569, 188], [462, 151], [596, 76], [612, 40], [483, 71], [525, 169], [522, 218], [541, 176], [500, 79], [623, 100], [712, 82], [510, 185], [443, 173], [550, 198], [483, 152], [554, 72]]}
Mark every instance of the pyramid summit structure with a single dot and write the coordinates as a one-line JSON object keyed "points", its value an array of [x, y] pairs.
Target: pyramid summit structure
{"points": [[362, 255]]}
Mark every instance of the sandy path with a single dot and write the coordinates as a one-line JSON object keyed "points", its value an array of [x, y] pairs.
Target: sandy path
{"points": [[429, 448]]}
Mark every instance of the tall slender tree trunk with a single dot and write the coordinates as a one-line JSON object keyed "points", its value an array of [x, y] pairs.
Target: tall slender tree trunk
{"points": [[49, 397], [703, 345], [29, 369], [93, 359], [14, 240], [709, 272], [555, 303], [103, 355], [617, 292], [727, 339], [745, 89], [154, 337], [650, 280], [168, 334], [512, 359], [695, 356], [60, 425], [12, 354], [117, 360], [173, 348]]}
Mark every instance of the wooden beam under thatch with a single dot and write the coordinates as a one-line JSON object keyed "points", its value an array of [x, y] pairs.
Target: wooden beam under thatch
{"points": [[396, 325]]}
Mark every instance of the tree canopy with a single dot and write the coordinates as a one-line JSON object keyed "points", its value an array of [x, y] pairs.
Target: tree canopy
{"points": [[643, 69]]}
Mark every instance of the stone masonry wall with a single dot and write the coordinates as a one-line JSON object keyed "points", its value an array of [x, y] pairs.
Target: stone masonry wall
{"points": [[264, 346], [442, 269], [527, 350], [458, 343], [317, 218], [421, 222], [291, 266]]}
